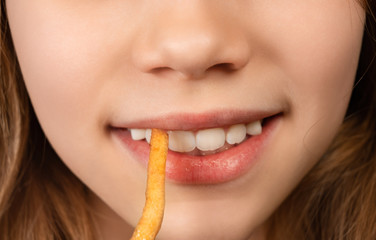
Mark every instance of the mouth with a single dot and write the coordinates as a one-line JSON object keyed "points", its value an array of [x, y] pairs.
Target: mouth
{"points": [[205, 141], [203, 149]]}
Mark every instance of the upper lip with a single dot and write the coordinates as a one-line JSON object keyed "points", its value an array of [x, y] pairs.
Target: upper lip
{"points": [[196, 121]]}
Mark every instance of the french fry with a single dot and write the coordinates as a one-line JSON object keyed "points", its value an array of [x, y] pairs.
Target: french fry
{"points": [[152, 215]]}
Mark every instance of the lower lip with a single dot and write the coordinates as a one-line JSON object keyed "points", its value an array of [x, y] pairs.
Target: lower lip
{"points": [[210, 169]]}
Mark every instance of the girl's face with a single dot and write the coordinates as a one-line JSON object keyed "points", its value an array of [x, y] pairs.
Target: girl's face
{"points": [[94, 69]]}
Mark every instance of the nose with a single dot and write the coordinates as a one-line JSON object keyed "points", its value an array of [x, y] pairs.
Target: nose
{"points": [[190, 40]]}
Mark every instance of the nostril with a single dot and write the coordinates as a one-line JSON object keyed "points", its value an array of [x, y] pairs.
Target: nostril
{"points": [[220, 67], [224, 67], [160, 70]]}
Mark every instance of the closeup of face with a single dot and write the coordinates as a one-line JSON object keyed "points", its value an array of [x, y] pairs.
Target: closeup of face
{"points": [[216, 70]]}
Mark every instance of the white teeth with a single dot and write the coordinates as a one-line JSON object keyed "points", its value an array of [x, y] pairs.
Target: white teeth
{"points": [[181, 141], [236, 134], [254, 128], [210, 139], [138, 134], [148, 135]]}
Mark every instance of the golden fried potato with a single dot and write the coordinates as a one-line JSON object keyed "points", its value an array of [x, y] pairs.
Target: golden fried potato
{"points": [[152, 215]]}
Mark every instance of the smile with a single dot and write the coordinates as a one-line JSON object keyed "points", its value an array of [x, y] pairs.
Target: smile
{"points": [[210, 150], [204, 141]]}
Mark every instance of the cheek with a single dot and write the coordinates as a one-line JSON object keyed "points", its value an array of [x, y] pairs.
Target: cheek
{"points": [[64, 69], [319, 58], [69, 79], [322, 71], [63, 78], [53, 65]]}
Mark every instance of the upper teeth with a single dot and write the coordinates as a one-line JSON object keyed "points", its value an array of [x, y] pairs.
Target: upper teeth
{"points": [[206, 139]]}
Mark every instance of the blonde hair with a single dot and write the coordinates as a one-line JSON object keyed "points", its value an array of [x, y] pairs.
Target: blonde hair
{"points": [[41, 199]]}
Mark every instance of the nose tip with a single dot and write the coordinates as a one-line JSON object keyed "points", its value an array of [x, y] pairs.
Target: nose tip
{"points": [[193, 56], [190, 55], [191, 48]]}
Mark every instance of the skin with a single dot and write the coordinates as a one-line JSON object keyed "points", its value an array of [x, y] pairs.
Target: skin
{"points": [[87, 64]]}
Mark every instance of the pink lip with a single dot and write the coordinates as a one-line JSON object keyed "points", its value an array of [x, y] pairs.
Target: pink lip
{"points": [[195, 121], [211, 169]]}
